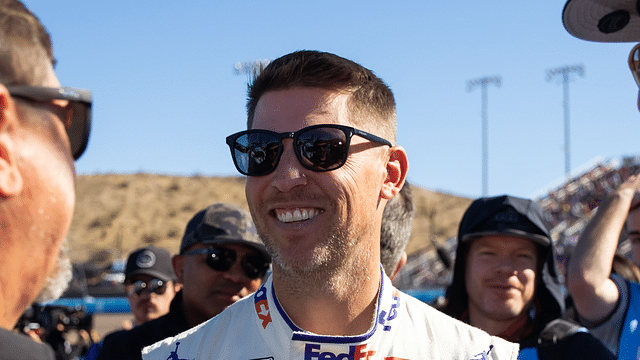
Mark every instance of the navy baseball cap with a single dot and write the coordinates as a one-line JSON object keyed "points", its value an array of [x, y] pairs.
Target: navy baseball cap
{"points": [[222, 224], [504, 215], [151, 261]]}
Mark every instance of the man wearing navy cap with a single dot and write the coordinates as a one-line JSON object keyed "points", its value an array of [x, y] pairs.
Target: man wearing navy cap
{"points": [[505, 281], [150, 283], [221, 260]]}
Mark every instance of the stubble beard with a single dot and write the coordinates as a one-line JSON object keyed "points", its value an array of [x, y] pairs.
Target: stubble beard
{"points": [[336, 265]]}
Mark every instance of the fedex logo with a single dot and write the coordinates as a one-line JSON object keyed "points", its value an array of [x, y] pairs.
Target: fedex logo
{"points": [[262, 306], [393, 313], [356, 352]]}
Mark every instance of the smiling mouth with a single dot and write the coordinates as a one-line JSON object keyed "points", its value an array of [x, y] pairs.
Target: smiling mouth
{"points": [[503, 287], [289, 216]]}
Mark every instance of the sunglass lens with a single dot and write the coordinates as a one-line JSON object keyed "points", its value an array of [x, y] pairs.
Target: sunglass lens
{"points": [[254, 266], [157, 286], [154, 286], [256, 153], [79, 127], [322, 149], [221, 259]]}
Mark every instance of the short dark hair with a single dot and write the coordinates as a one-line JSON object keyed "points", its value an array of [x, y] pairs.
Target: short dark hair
{"points": [[397, 221], [370, 96], [25, 46]]}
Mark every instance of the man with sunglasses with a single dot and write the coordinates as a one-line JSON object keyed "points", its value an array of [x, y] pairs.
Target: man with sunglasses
{"points": [[43, 128], [321, 165], [221, 260], [150, 283]]}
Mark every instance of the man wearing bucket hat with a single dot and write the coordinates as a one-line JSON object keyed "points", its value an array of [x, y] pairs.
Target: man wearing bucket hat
{"points": [[221, 260], [606, 21], [506, 282]]}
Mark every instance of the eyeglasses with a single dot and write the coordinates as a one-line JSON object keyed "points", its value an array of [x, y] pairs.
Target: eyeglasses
{"points": [[221, 259], [154, 286], [78, 116], [318, 148], [634, 63]]}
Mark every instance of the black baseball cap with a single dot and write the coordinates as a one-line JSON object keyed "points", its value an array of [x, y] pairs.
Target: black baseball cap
{"points": [[152, 261], [222, 223], [504, 215]]}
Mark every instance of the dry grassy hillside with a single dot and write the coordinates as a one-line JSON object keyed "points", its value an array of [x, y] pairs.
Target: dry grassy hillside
{"points": [[119, 213]]}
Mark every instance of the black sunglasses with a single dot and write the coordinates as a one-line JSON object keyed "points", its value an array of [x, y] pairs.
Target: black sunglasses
{"points": [[78, 121], [221, 259], [318, 148], [154, 286]]}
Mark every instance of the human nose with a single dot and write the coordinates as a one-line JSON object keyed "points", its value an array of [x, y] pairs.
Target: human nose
{"points": [[235, 273], [505, 264], [145, 294], [289, 172]]}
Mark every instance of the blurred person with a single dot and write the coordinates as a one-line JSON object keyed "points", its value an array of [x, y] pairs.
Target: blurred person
{"points": [[609, 304], [606, 21], [43, 129], [318, 210], [221, 260], [397, 222], [505, 281], [625, 268]]}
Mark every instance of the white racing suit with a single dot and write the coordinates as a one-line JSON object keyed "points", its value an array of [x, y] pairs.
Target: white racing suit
{"points": [[257, 328]]}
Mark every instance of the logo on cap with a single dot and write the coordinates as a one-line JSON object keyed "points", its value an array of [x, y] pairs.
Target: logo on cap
{"points": [[146, 259]]}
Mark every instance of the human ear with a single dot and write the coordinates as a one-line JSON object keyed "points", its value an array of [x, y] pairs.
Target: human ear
{"points": [[397, 168], [177, 261], [10, 177]]}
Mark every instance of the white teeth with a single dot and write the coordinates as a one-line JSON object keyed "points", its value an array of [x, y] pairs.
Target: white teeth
{"points": [[296, 215]]}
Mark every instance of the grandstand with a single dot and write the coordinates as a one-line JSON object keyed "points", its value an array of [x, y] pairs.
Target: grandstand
{"points": [[568, 206]]}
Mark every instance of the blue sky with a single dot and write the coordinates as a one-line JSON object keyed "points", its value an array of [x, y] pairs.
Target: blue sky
{"points": [[165, 94]]}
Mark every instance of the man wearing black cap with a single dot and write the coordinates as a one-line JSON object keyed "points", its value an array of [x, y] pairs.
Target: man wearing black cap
{"points": [[221, 260], [506, 282], [150, 283]]}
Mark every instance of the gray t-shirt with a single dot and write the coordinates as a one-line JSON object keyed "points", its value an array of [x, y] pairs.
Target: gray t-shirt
{"points": [[608, 330]]}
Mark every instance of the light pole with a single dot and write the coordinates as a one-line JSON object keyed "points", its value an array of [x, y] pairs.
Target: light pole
{"points": [[565, 71], [484, 83]]}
